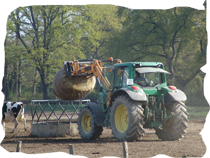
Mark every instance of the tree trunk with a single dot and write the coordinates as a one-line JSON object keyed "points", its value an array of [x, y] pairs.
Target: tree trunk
{"points": [[19, 81], [35, 81], [5, 88], [97, 53], [171, 70], [62, 18], [14, 78], [10, 84], [17, 66], [19, 88], [44, 84], [48, 90]]}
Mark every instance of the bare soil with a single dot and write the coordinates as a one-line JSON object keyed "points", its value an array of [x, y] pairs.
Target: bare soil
{"points": [[191, 145]]}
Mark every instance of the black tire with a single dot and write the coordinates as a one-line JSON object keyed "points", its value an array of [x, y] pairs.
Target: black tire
{"points": [[131, 128], [174, 128], [87, 124]]}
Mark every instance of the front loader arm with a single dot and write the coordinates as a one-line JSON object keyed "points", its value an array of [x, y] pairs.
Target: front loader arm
{"points": [[95, 68]]}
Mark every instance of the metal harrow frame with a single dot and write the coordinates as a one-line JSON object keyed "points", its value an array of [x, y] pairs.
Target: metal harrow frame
{"points": [[49, 106]]}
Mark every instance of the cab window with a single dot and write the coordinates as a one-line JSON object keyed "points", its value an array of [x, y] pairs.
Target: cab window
{"points": [[121, 76]]}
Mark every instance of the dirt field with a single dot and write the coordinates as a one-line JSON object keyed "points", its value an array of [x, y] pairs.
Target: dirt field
{"points": [[191, 145]]}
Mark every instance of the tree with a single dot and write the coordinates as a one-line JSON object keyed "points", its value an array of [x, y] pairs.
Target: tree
{"points": [[100, 23], [167, 35], [13, 59], [46, 32]]}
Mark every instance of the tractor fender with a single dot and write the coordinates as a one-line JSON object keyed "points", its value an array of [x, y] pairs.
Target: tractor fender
{"points": [[136, 96], [174, 96], [97, 113]]}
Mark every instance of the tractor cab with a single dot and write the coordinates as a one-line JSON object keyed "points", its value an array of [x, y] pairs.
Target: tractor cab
{"points": [[144, 75], [149, 76]]}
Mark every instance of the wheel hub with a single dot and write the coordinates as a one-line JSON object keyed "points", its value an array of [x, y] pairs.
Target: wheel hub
{"points": [[121, 118], [86, 123]]}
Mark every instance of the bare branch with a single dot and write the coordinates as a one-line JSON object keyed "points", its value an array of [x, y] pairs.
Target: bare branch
{"points": [[33, 20], [190, 77], [60, 45], [138, 59], [35, 27]]}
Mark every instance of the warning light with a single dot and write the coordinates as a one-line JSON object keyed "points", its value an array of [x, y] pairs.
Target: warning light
{"points": [[135, 87], [172, 87]]}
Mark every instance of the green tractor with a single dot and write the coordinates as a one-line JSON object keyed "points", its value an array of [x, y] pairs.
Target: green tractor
{"points": [[138, 97]]}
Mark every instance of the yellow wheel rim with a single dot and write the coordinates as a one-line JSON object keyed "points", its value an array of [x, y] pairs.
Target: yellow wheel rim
{"points": [[167, 124], [86, 123], [121, 118]]}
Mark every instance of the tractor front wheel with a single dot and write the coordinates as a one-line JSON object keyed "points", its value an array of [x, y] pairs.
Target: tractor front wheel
{"points": [[87, 126], [126, 118], [174, 127]]}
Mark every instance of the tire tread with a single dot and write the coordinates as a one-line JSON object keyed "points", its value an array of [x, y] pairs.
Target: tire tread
{"points": [[135, 128], [179, 123], [95, 132]]}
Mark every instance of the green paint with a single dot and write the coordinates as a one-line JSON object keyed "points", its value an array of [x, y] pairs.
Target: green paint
{"points": [[155, 90]]}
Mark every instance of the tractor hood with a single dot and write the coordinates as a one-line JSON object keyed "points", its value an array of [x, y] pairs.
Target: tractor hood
{"points": [[151, 70]]}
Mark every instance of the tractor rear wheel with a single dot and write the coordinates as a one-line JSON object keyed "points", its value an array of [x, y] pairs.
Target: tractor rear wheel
{"points": [[174, 127], [87, 126], [126, 118]]}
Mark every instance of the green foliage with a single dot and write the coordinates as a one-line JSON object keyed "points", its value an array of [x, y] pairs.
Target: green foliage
{"points": [[45, 31], [176, 37], [100, 22], [153, 32], [194, 91], [197, 112], [41, 38], [50, 35]]}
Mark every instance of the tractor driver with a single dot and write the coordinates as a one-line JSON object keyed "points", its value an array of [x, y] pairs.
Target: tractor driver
{"points": [[141, 80]]}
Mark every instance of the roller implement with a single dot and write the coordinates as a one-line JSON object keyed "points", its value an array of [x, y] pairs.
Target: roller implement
{"points": [[132, 96]]}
